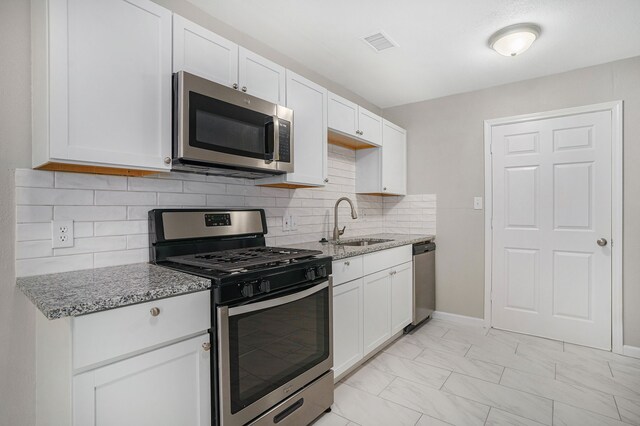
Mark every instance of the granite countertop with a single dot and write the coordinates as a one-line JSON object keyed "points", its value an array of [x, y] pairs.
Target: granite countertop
{"points": [[341, 251], [83, 292]]}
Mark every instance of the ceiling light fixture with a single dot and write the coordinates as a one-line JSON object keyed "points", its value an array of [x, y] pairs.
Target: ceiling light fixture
{"points": [[514, 39]]}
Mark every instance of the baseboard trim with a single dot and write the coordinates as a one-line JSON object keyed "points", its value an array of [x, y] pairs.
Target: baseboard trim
{"points": [[632, 351], [460, 319]]}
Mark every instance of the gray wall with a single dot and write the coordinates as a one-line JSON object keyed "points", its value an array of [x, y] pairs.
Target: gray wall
{"points": [[17, 315], [446, 157]]}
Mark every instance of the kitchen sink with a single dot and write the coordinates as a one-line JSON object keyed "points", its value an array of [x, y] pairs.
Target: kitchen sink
{"points": [[360, 242]]}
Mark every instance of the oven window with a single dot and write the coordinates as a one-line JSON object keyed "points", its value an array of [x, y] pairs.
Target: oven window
{"points": [[270, 347], [219, 126]]}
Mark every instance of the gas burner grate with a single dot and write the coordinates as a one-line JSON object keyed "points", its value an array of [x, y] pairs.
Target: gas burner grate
{"points": [[240, 260]]}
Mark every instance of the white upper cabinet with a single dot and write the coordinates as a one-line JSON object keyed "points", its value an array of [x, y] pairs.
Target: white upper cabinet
{"points": [[354, 121], [261, 77], [384, 170], [204, 53], [394, 159], [101, 84], [309, 104]]}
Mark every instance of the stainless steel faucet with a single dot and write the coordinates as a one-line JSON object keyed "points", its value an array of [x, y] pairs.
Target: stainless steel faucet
{"points": [[336, 230]]}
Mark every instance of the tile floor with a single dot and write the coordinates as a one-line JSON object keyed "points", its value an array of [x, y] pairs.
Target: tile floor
{"points": [[446, 373]]}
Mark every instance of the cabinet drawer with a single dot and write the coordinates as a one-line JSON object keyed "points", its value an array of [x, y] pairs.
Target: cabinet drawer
{"points": [[384, 259], [347, 269], [110, 334]]}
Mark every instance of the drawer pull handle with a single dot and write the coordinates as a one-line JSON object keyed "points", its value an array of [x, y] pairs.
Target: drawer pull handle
{"points": [[155, 311], [347, 263], [206, 346]]}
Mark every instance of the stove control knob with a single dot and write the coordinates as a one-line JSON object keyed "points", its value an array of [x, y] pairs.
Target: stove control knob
{"points": [[265, 286], [310, 274], [247, 290], [322, 271]]}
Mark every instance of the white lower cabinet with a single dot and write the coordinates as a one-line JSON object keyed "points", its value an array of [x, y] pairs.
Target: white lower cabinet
{"points": [[370, 310], [377, 310], [347, 325], [167, 386]]}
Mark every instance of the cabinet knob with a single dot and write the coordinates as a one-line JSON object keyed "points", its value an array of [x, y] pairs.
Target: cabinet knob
{"points": [[155, 311], [244, 88], [326, 180], [384, 189], [347, 263], [167, 160], [206, 346], [602, 242], [235, 85]]}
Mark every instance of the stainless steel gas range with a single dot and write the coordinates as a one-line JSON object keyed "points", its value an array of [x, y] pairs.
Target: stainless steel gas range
{"points": [[271, 314]]}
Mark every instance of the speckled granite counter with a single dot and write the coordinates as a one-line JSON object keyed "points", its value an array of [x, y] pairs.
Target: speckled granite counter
{"points": [[341, 251], [83, 292]]}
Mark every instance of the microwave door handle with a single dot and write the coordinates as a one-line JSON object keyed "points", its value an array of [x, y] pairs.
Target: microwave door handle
{"points": [[272, 303], [276, 138]]}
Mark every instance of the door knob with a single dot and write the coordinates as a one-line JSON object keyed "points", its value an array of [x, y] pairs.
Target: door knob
{"points": [[602, 242]]}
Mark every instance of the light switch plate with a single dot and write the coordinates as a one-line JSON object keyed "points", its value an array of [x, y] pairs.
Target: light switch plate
{"points": [[477, 203]]}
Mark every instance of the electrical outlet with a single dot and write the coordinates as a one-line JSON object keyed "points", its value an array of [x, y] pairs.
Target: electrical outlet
{"points": [[62, 233], [477, 203], [293, 223], [286, 223]]}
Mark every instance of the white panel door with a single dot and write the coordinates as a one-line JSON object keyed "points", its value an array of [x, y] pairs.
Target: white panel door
{"points": [[394, 159], [204, 53], [377, 310], [551, 204], [347, 325], [260, 77], [401, 296], [167, 386], [370, 126], [110, 83], [343, 115]]}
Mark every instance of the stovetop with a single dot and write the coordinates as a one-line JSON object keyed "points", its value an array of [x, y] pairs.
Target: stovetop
{"points": [[244, 259]]}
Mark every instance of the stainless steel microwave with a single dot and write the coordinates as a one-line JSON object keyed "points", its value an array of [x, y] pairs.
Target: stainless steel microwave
{"points": [[221, 131]]}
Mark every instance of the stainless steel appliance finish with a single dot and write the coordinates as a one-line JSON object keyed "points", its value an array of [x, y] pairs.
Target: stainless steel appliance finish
{"points": [[245, 415], [179, 225], [190, 155], [306, 404], [424, 281]]}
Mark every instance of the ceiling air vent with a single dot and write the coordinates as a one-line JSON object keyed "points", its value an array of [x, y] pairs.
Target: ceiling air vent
{"points": [[379, 41]]}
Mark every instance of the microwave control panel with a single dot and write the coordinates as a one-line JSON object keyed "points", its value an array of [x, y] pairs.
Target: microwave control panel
{"points": [[284, 151]]}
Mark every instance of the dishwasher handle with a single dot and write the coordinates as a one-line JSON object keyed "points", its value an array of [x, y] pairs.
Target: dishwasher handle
{"points": [[420, 248]]}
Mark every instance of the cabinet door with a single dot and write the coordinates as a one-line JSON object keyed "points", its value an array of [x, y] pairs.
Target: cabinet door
{"points": [[167, 386], [204, 53], [343, 115], [401, 296], [394, 159], [260, 77], [370, 126], [347, 326], [110, 83], [377, 310]]}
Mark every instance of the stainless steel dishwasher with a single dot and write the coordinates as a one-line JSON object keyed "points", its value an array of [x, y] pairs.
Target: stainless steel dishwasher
{"points": [[424, 282]]}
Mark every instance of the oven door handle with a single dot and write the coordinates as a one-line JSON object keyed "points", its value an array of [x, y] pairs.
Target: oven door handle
{"points": [[252, 307]]}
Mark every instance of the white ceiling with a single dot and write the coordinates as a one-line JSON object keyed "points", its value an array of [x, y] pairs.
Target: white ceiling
{"points": [[442, 43]]}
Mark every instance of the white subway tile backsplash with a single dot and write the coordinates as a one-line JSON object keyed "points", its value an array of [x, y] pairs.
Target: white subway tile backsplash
{"points": [[85, 181], [89, 213], [171, 199], [54, 197], [110, 213], [121, 227], [122, 257], [31, 214], [52, 265], [121, 198], [34, 178], [93, 245]]}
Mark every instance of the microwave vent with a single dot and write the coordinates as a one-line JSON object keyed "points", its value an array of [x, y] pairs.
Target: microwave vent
{"points": [[379, 41]]}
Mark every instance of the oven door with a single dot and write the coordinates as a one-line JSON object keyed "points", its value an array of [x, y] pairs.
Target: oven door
{"points": [[221, 126], [272, 348]]}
